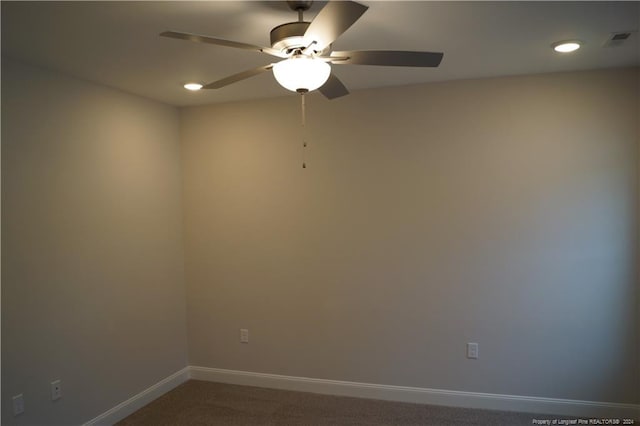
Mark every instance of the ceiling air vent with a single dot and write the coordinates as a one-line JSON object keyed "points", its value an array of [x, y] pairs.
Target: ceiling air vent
{"points": [[620, 36], [618, 39]]}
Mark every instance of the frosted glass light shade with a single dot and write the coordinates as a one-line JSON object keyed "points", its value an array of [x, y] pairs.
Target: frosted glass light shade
{"points": [[301, 74]]}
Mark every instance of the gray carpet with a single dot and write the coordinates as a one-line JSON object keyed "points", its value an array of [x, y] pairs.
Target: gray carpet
{"points": [[205, 403]]}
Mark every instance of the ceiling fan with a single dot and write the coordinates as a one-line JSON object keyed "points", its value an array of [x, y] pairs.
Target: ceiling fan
{"points": [[305, 50]]}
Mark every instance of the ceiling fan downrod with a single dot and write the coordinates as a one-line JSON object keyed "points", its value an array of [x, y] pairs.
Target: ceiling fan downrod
{"points": [[300, 7]]}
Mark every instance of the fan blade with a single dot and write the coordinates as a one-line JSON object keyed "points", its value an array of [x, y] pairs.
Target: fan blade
{"points": [[237, 77], [221, 42], [393, 58], [333, 20], [333, 88]]}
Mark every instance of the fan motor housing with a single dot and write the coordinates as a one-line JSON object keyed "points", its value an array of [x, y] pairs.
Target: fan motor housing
{"points": [[290, 36]]}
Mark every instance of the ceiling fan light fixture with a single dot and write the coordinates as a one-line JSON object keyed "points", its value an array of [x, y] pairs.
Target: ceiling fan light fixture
{"points": [[307, 53], [301, 73], [566, 46]]}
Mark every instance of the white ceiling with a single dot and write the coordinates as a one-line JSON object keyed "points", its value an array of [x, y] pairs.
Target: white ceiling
{"points": [[117, 43]]}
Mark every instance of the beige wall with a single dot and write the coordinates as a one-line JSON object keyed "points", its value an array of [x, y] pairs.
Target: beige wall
{"points": [[638, 230], [92, 261], [499, 211]]}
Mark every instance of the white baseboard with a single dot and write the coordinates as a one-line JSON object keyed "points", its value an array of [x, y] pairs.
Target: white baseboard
{"points": [[567, 407], [138, 401], [528, 404]]}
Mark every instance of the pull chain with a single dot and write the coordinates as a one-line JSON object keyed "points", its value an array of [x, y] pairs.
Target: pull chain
{"points": [[304, 133]]}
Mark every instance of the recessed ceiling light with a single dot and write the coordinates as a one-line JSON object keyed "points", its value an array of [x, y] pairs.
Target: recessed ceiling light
{"points": [[193, 86], [566, 46]]}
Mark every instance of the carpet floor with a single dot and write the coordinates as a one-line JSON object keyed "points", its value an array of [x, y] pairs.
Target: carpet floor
{"points": [[197, 403]]}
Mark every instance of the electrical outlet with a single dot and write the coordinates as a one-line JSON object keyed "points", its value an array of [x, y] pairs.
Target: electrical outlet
{"points": [[18, 404], [56, 390], [472, 350], [244, 335]]}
